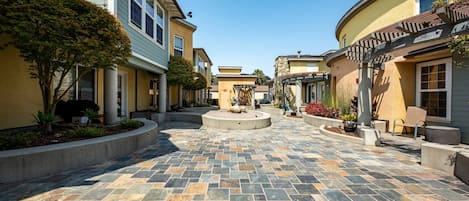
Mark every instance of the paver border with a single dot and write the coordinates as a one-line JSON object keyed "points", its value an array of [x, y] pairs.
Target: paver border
{"points": [[23, 164]]}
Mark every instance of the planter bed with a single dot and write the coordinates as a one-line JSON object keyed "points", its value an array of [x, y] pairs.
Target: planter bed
{"points": [[363, 136], [333, 134], [28, 163]]}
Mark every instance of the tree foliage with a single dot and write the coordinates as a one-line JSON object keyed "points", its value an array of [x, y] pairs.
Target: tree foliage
{"points": [[180, 71], [261, 77], [58, 37], [198, 82]]}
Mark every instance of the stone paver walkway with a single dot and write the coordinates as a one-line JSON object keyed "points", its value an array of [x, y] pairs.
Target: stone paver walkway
{"points": [[289, 161]]}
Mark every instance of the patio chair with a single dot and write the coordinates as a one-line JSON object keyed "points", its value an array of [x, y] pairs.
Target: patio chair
{"points": [[415, 118]]}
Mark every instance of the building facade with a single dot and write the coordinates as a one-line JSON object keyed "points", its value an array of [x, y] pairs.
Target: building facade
{"points": [[233, 85], [181, 45], [408, 61], [203, 65], [139, 85], [303, 78]]}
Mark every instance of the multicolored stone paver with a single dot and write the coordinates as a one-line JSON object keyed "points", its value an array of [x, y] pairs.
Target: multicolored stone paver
{"points": [[289, 161]]}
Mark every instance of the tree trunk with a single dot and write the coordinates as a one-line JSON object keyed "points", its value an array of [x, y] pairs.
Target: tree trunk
{"points": [[48, 105]]}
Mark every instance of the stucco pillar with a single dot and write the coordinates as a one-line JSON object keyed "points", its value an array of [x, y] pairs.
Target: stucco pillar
{"points": [[180, 96], [298, 97], [236, 95], [283, 101], [253, 98], [110, 96], [162, 90], [364, 94]]}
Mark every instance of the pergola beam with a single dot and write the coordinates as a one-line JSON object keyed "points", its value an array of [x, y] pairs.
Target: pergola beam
{"points": [[449, 15], [412, 27]]}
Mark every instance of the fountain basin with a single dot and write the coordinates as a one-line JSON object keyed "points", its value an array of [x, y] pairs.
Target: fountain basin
{"points": [[236, 121]]}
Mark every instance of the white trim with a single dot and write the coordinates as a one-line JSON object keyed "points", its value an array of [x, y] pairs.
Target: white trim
{"points": [[111, 6], [174, 44], [157, 24], [138, 56], [448, 87], [417, 7]]}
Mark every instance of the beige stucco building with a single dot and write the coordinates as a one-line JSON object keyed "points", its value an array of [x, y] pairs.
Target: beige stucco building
{"points": [[229, 79]]}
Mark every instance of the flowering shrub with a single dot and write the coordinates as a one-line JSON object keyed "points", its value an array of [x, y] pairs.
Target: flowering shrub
{"points": [[318, 109]]}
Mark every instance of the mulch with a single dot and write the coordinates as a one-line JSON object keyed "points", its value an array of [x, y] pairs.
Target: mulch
{"points": [[341, 131]]}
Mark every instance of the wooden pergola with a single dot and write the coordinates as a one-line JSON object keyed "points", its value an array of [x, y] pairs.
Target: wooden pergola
{"points": [[373, 51]]}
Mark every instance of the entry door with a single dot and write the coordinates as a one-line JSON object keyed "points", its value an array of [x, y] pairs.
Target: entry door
{"points": [[122, 92]]}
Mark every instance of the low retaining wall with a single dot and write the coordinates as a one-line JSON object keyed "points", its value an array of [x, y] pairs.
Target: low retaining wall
{"points": [[237, 124], [319, 121], [440, 156], [28, 163], [190, 117]]}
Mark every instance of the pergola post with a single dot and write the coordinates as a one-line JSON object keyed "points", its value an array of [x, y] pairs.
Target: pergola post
{"points": [[298, 97], [364, 94], [236, 95], [253, 98], [283, 97]]}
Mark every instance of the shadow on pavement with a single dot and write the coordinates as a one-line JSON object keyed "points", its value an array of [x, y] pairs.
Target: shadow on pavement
{"points": [[86, 177]]}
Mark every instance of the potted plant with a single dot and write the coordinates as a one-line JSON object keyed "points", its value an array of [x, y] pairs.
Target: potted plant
{"points": [[350, 122]]}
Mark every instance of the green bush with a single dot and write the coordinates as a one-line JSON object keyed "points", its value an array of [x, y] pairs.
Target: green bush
{"points": [[130, 123], [17, 140], [88, 132]]}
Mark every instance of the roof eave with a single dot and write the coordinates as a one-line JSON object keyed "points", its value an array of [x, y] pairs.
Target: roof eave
{"points": [[173, 8], [359, 6]]}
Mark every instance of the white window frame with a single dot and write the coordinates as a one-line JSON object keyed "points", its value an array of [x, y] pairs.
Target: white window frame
{"points": [[157, 24], [142, 29], [130, 13], [152, 18], [448, 86], [176, 48]]}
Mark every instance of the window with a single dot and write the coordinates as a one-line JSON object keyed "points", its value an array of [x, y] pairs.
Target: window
{"points": [[85, 86], [150, 20], [425, 5], [344, 41], [136, 12], [434, 88], [159, 25], [178, 46], [149, 17]]}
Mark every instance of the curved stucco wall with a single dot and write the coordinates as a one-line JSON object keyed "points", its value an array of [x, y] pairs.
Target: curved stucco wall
{"points": [[377, 15]]}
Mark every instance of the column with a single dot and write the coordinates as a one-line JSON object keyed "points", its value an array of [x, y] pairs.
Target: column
{"points": [[162, 93], [253, 98], [298, 97], [110, 96], [180, 96], [236, 96], [283, 97], [364, 94]]}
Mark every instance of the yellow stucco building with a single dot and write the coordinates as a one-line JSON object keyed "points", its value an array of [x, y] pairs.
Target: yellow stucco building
{"points": [[229, 78], [400, 80], [182, 45], [139, 85]]}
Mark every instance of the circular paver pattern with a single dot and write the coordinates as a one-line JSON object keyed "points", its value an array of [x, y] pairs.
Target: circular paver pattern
{"points": [[287, 161]]}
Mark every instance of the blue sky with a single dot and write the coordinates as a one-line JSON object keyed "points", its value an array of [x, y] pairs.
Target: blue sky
{"points": [[252, 33]]}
